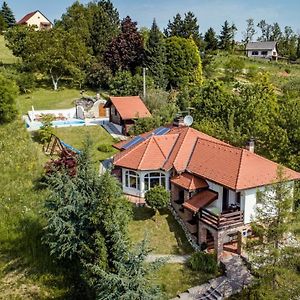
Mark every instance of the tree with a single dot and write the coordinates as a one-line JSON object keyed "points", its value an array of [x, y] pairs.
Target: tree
{"points": [[211, 39], [276, 33], [105, 26], [157, 197], [265, 31], [250, 31], [8, 93], [226, 38], [87, 218], [272, 257], [8, 15], [126, 51], [183, 62], [155, 56], [46, 129], [3, 24], [233, 67], [184, 27]]}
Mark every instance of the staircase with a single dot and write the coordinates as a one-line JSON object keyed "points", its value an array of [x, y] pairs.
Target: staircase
{"points": [[236, 277]]}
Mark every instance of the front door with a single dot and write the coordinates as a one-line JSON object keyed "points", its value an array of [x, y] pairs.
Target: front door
{"points": [[102, 110]]}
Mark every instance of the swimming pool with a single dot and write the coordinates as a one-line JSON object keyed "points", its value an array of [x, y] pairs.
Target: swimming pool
{"points": [[35, 125]]}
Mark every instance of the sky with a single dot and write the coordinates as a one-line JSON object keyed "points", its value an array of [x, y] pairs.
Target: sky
{"points": [[210, 13]]}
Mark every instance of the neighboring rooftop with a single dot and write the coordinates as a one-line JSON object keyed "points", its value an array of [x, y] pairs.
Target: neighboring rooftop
{"points": [[188, 150], [129, 107], [261, 45], [25, 19]]}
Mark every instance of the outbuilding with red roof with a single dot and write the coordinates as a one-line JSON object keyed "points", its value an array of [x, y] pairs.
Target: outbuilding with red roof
{"points": [[125, 110]]}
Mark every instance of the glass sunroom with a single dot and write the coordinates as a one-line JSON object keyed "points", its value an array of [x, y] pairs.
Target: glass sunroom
{"points": [[137, 183]]}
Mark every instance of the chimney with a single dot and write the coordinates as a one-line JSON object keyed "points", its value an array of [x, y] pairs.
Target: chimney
{"points": [[250, 146]]}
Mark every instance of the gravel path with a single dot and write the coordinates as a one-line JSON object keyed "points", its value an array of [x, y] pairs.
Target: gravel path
{"points": [[170, 259]]}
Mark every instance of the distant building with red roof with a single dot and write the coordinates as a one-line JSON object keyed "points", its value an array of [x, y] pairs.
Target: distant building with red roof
{"points": [[125, 110], [36, 18], [213, 184]]}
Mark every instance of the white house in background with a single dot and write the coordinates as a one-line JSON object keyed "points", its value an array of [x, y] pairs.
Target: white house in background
{"points": [[213, 185], [36, 18], [266, 50]]}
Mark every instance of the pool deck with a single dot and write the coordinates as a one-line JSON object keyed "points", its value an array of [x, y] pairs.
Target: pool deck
{"points": [[35, 125]]}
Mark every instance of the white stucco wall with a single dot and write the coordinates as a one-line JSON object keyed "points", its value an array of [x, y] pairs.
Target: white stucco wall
{"points": [[269, 54], [37, 19], [141, 192]]}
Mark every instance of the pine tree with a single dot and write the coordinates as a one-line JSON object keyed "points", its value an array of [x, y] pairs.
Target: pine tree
{"points": [[184, 27], [210, 39], [227, 36], [3, 24], [8, 15], [155, 56]]}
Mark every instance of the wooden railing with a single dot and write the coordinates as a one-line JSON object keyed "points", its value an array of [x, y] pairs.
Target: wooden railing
{"points": [[223, 220]]}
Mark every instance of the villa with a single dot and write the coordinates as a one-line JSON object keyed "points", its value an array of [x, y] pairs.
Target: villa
{"points": [[213, 185], [37, 19]]}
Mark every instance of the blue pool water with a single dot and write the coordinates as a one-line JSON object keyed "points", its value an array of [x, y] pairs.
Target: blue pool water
{"points": [[68, 122]]}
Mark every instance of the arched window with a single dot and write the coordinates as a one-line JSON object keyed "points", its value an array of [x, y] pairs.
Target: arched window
{"points": [[132, 180], [154, 178]]}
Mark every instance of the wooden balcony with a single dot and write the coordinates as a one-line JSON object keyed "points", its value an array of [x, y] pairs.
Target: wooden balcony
{"points": [[223, 220]]}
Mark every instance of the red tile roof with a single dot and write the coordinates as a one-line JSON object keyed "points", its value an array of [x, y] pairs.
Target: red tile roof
{"points": [[188, 150], [151, 154], [200, 200], [189, 182], [27, 17], [130, 107], [233, 167]]}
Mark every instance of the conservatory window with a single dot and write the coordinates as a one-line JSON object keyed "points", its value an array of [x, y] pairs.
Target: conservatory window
{"points": [[153, 179], [132, 180]]}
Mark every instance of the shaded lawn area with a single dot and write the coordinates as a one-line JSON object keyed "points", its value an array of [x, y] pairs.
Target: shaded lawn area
{"points": [[177, 278], [164, 235], [49, 99], [76, 137], [6, 55]]}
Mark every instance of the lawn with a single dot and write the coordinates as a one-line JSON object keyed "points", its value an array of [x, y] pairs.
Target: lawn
{"points": [[177, 278], [49, 99], [76, 137], [164, 235], [6, 56]]}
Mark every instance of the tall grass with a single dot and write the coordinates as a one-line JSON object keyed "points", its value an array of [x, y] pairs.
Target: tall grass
{"points": [[21, 214]]}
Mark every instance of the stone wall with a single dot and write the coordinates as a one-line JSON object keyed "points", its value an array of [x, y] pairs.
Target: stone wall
{"points": [[188, 235]]}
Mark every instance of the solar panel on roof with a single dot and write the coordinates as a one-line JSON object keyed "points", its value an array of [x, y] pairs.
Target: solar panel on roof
{"points": [[133, 142], [161, 130]]}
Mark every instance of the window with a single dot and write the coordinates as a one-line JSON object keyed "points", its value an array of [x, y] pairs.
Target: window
{"points": [[254, 52], [264, 52], [132, 180], [153, 179]]}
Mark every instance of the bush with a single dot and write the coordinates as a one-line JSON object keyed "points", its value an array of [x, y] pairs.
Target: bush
{"points": [[205, 262], [104, 148], [8, 93], [157, 197], [46, 130]]}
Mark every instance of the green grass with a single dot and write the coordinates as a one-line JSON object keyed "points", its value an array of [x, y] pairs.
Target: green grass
{"points": [[48, 99], [165, 236], [177, 278], [76, 136], [6, 55], [26, 269]]}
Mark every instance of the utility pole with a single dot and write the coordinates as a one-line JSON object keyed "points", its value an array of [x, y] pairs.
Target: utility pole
{"points": [[144, 82]]}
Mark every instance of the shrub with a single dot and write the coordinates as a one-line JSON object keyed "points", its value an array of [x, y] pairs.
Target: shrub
{"points": [[104, 148], [205, 262], [287, 70], [46, 129]]}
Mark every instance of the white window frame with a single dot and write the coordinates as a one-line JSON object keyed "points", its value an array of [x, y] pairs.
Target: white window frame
{"points": [[129, 174], [162, 178]]}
